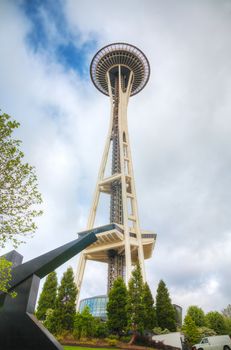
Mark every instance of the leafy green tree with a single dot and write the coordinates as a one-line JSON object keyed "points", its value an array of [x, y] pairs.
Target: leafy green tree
{"points": [[135, 303], [65, 307], [48, 296], [216, 321], [117, 307], [88, 323], [190, 331], [101, 329], [197, 315], [227, 321], [18, 193], [165, 312], [206, 332], [86, 326], [18, 188], [149, 309], [5, 275]]}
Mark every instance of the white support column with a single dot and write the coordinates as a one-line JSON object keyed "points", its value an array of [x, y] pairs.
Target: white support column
{"points": [[95, 202], [125, 98], [79, 275], [135, 212], [122, 111]]}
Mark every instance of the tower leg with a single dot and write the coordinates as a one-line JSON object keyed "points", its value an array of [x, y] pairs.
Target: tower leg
{"points": [[79, 274]]}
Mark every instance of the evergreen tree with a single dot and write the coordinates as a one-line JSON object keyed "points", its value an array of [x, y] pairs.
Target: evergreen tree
{"points": [[149, 309], [117, 307], [135, 303], [50, 321], [88, 323], [197, 315], [65, 307], [216, 321], [87, 326], [190, 330], [48, 296], [165, 312], [84, 324], [101, 329]]}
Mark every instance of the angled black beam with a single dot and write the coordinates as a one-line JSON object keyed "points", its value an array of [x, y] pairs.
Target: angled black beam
{"points": [[19, 328]]}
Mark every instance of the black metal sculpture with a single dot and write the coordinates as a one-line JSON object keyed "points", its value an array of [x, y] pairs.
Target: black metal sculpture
{"points": [[19, 328]]}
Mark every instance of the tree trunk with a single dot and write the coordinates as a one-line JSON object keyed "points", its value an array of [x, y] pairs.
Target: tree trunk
{"points": [[133, 339]]}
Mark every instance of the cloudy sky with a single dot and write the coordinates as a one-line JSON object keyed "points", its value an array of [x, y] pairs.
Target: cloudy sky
{"points": [[179, 128]]}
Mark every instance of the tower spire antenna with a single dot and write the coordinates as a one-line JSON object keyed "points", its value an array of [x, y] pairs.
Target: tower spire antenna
{"points": [[119, 71]]}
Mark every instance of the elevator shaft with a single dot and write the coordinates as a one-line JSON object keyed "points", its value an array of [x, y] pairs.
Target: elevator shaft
{"points": [[116, 261]]}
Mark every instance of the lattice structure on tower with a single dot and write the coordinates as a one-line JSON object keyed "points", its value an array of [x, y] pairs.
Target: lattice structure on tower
{"points": [[118, 70]]}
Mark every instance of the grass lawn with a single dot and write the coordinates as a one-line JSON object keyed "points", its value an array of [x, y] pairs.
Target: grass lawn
{"points": [[82, 348]]}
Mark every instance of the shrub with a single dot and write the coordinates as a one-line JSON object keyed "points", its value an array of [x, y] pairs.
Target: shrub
{"points": [[112, 342], [101, 329], [159, 330], [125, 338], [113, 336], [206, 332]]}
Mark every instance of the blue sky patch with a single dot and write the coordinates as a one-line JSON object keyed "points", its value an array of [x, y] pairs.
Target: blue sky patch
{"points": [[74, 57], [50, 32]]}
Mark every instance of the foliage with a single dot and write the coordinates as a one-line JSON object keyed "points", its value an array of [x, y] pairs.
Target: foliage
{"points": [[82, 348], [227, 321], [216, 321], [227, 311], [50, 322], [149, 309], [197, 315], [125, 338], [77, 325], [18, 187], [190, 330], [206, 332], [5, 275], [135, 301], [101, 329], [165, 312], [112, 342], [84, 324], [117, 307], [113, 336], [65, 308], [48, 296], [158, 330]]}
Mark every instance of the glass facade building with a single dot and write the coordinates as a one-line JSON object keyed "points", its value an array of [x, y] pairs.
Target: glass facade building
{"points": [[178, 310], [97, 306]]}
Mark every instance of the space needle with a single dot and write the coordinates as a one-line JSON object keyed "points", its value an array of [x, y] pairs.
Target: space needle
{"points": [[119, 71]]}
